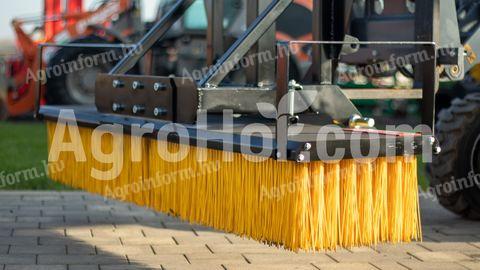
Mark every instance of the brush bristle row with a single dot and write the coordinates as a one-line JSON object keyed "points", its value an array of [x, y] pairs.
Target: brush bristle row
{"points": [[308, 206]]}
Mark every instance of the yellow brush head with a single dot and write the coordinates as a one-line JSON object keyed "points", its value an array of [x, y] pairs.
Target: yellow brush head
{"points": [[308, 206]]}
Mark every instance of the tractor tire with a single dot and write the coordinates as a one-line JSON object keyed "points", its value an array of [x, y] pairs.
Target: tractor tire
{"points": [[77, 85], [455, 172]]}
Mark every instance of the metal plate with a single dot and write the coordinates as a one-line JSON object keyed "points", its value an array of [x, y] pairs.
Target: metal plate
{"points": [[215, 138], [165, 98]]}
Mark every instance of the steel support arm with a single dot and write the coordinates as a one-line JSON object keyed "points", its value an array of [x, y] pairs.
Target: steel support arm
{"points": [[248, 39]]}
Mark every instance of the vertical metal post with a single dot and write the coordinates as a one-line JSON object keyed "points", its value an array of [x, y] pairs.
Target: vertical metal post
{"points": [[215, 32], [329, 24], [318, 52], [283, 116], [430, 83], [261, 72], [252, 71], [427, 16], [38, 83], [266, 51]]}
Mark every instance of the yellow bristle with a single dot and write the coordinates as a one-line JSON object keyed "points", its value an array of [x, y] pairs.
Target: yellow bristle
{"points": [[395, 200], [332, 205], [349, 215], [317, 223], [307, 206], [380, 203], [365, 202], [411, 213]]}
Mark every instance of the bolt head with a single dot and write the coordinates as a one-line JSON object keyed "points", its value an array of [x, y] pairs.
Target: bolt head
{"points": [[437, 150], [137, 109], [137, 85], [300, 158], [455, 70], [159, 112], [117, 107], [117, 84], [159, 87], [307, 147], [414, 145]]}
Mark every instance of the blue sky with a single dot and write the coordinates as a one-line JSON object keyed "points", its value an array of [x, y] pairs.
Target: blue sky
{"points": [[11, 9]]}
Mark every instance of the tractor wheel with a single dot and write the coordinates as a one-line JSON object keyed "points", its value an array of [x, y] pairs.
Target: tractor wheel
{"points": [[75, 84], [455, 173]]}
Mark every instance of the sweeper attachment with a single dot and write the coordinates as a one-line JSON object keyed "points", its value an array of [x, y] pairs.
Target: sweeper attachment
{"points": [[286, 162]]}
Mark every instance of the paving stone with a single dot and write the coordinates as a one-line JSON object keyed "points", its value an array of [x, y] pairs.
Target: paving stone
{"points": [[400, 248], [125, 250], [80, 259], [117, 233], [151, 232], [75, 241], [76, 232], [3, 250], [390, 265], [130, 267], [345, 266], [291, 266], [4, 218], [255, 258], [110, 219], [157, 259], [35, 249], [450, 238], [374, 257], [147, 240], [42, 208], [19, 225], [180, 249], [36, 267], [246, 248], [39, 219], [362, 250], [209, 258], [415, 265], [460, 231], [79, 249], [220, 239], [85, 267], [441, 256], [17, 259], [39, 232], [450, 246], [471, 265], [6, 232], [9, 240], [181, 266], [82, 225]]}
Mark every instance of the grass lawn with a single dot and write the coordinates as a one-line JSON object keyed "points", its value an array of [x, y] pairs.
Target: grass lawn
{"points": [[23, 150]]}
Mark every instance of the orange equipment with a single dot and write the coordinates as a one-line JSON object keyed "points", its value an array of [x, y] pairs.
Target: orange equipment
{"points": [[63, 22]]}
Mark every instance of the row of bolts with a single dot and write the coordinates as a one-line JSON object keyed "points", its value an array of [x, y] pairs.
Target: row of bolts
{"points": [[140, 109]]}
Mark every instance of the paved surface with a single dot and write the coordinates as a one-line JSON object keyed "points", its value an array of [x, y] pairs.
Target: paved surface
{"points": [[47, 230]]}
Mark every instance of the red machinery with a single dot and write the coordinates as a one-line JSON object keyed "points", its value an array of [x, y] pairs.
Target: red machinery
{"points": [[64, 21]]}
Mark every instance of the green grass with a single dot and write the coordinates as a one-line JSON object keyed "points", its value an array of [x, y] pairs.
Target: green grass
{"points": [[23, 153], [423, 181]]}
